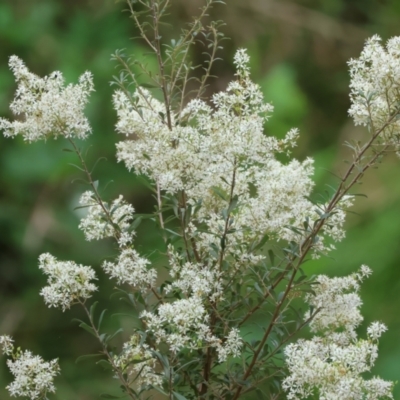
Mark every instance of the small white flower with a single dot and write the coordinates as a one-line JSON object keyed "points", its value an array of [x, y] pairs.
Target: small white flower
{"points": [[241, 61], [6, 344], [138, 363], [33, 377], [131, 269], [375, 330], [207, 146], [182, 323], [97, 225], [375, 83], [68, 282], [331, 364], [48, 107], [231, 347]]}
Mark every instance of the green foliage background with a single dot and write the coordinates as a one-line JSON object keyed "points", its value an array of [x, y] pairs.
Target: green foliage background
{"points": [[299, 51]]}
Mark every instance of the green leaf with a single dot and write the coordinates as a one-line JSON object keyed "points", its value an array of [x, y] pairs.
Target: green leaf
{"points": [[174, 233], [124, 315], [271, 256], [136, 223], [148, 86], [280, 296], [105, 364], [86, 357], [86, 327], [110, 396], [306, 224], [77, 167], [114, 334], [160, 390], [188, 363], [257, 287], [101, 319], [92, 310], [233, 204], [262, 242], [220, 193], [223, 243], [179, 396]]}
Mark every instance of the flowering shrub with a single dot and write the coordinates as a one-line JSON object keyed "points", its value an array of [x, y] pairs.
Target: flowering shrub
{"points": [[237, 223]]}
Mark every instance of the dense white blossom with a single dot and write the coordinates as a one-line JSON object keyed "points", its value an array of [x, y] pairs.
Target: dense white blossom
{"points": [[137, 361], [184, 323], [33, 377], [193, 278], [179, 323], [338, 301], [375, 84], [233, 191], [131, 268], [232, 346], [376, 329], [212, 152], [6, 344], [68, 282], [96, 225], [332, 363], [46, 106]]}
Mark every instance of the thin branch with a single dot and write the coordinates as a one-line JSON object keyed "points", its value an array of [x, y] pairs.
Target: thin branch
{"points": [[308, 242], [110, 358]]}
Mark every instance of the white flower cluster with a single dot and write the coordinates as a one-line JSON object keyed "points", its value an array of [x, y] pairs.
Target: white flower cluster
{"points": [[33, 377], [184, 323], [6, 344], [96, 225], [179, 322], [138, 363], [131, 269], [194, 278], [232, 346], [332, 363], [211, 150], [47, 106], [375, 88], [339, 303], [68, 282]]}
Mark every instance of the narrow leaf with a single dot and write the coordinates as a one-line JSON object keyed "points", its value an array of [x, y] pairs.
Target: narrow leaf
{"points": [[110, 396], [271, 256], [105, 364], [92, 309], [179, 396], [220, 193], [86, 357], [101, 319]]}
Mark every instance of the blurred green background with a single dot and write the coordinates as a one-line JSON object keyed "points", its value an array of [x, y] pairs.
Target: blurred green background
{"points": [[299, 51]]}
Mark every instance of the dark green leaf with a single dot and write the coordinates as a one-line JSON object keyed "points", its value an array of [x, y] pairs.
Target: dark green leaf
{"points": [[271, 256]]}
